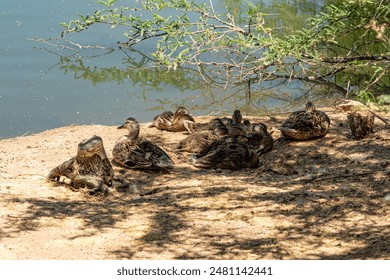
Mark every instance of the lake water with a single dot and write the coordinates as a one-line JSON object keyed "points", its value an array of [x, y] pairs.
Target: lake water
{"points": [[43, 87]]}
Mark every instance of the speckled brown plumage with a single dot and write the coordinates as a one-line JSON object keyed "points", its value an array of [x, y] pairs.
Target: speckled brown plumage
{"points": [[90, 168], [306, 124], [173, 122], [132, 151], [360, 125], [259, 139], [227, 153]]}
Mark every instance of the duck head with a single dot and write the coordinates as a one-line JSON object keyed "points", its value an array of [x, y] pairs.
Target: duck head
{"points": [[310, 106], [132, 125], [181, 111], [237, 117]]}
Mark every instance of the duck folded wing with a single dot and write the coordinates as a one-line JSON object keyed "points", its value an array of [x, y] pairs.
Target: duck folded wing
{"points": [[230, 153], [306, 124]]}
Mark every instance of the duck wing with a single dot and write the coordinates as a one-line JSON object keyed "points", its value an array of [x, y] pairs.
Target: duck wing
{"points": [[154, 154], [180, 123], [139, 155], [212, 147], [303, 125], [227, 154], [196, 142], [260, 143], [163, 121], [321, 123]]}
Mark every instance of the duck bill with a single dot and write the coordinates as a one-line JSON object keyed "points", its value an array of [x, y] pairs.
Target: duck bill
{"points": [[120, 127]]}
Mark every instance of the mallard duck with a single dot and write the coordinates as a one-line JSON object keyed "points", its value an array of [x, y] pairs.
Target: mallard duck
{"points": [[216, 128], [306, 124], [216, 125], [173, 121], [259, 139], [226, 153], [196, 142], [236, 125], [360, 125], [90, 168], [235, 119], [163, 120], [134, 152], [248, 127], [222, 123]]}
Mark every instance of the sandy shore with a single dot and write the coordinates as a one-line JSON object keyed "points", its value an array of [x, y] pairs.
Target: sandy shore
{"points": [[321, 199]]}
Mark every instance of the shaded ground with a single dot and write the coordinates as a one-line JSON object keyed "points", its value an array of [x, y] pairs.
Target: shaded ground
{"points": [[322, 199]]}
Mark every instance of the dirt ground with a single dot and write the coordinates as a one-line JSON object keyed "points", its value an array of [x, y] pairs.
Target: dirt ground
{"points": [[322, 199]]}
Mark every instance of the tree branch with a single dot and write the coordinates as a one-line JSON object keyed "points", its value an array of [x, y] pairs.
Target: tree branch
{"points": [[335, 60]]}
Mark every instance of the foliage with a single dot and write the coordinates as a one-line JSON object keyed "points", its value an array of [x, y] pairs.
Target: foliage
{"points": [[347, 46]]}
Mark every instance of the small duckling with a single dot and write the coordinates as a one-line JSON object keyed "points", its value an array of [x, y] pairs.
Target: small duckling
{"points": [[236, 125], [306, 124], [173, 122], [248, 127], [237, 117], [360, 125], [134, 152]]}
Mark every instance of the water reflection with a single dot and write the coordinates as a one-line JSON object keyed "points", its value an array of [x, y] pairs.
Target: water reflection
{"points": [[204, 91], [43, 86]]}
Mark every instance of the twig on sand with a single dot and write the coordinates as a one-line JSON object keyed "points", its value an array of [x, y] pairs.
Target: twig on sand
{"points": [[379, 117]]}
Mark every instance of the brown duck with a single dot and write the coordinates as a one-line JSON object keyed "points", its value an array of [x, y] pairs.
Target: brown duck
{"points": [[221, 126], [90, 168], [203, 137], [306, 124], [197, 141], [227, 153], [173, 121], [259, 139], [360, 125], [132, 151]]}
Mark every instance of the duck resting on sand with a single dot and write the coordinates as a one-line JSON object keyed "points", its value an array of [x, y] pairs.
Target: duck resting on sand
{"points": [[197, 141], [306, 124], [173, 122], [215, 129], [259, 139], [361, 125], [220, 126], [227, 153], [90, 168], [234, 151], [134, 152]]}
